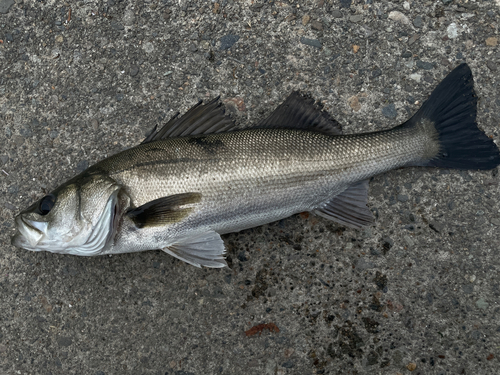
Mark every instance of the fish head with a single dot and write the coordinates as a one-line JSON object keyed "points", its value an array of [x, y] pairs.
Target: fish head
{"points": [[79, 217]]}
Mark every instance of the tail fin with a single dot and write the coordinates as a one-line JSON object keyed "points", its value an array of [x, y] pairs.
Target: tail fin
{"points": [[452, 108]]}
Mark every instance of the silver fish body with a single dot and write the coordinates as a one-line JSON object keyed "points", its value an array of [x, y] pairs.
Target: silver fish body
{"points": [[180, 193], [252, 177]]}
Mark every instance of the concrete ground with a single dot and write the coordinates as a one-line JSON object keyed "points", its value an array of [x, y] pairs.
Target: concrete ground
{"points": [[416, 293]]}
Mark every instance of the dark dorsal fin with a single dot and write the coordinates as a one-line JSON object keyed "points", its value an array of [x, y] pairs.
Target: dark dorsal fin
{"points": [[301, 112], [200, 119], [296, 112]]}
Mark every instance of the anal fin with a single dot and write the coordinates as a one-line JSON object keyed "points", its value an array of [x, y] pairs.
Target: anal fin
{"points": [[348, 208], [203, 249]]}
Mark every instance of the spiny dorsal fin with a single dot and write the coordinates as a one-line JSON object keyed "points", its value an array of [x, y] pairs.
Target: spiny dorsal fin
{"points": [[203, 249], [163, 211], [200, 119], [301, 112], [348, 208]]}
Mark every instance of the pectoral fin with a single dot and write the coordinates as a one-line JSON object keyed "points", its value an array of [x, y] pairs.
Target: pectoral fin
{"points": [[163, 211], [349, 207], [203, 249]]}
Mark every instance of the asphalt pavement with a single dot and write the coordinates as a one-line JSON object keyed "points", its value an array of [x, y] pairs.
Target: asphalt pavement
{"points": [[416, 293]]}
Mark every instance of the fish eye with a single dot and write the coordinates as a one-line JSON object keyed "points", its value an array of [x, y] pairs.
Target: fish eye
{"points": [[46, 204]]}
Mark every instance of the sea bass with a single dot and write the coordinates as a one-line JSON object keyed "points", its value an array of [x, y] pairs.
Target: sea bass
{"points": [[200, 176]]}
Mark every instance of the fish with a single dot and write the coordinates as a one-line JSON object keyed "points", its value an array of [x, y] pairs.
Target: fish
{"points": [[201, 176]]}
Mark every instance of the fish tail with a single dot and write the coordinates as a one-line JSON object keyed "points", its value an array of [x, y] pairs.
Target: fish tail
{"points": [[450, 115]]}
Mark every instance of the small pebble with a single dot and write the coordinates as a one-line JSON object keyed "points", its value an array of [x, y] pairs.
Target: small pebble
{"points": [[134, 70], [389, 111], [9, 206], [316, 25], [411, 366], [227, 41], [491, 66], [345, 3], [337, 14], [306, 19], [129, 17], [413, 39], [82, 165], [446, 62], [424, 65], [310, 42], [468, 289], [356, 18], [406, 55], [482, 304], [117, 26], [418, 22], [354, 103], [491, 42], [403, 198], [64, 341], [5, 6], [148, 47], [409, 241], [399, 17], [452, 30], [18, 140]]}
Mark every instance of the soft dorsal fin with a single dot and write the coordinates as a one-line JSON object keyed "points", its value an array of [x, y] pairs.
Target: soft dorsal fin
{"points": [[301, 112], [349, 207], [163, 211], [200, 119]]}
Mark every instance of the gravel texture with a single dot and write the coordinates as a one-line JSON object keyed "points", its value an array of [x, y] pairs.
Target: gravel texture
{"points": [[417, 293]]}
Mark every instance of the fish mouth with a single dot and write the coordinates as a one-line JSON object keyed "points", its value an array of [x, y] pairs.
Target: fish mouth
{"points": [[28, 233]]}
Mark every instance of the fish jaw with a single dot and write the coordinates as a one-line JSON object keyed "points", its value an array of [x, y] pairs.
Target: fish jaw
{"points": [[28, 233]]}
